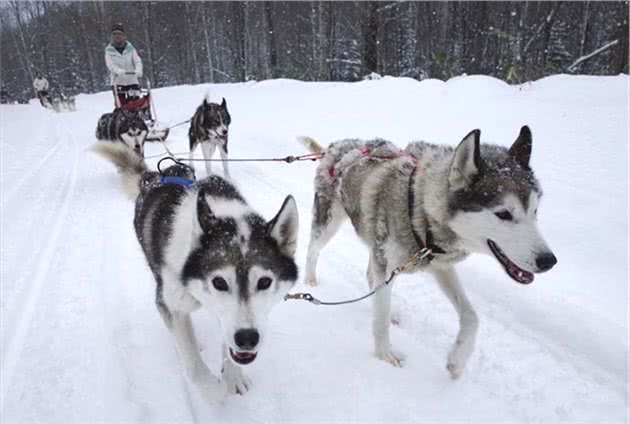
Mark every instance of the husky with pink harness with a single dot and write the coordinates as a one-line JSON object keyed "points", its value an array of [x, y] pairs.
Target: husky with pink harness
{"points": [[442, 201]]}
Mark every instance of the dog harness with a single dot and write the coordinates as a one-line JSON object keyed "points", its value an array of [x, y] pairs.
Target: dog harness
{"points": [[174, 179], [429, 249], [177, 180], [423, 256]]}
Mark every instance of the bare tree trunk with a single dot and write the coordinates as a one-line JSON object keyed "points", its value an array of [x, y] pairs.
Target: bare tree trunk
{"points": [[444, 22], [313, 71], [193, 50], [25, 56], [271, 40], [585, 19], [322, 66], [240, 44], [318, 37], [546, 25], [148, 36], [86, 46], [219, 62], [518, 43], [99, 9], [622, 65], [370, 36], [42, 39], [209, 52], [22, 63], [246, 41]]}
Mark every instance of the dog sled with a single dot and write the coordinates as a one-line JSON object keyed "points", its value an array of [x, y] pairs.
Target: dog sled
{"points": [[139, 100]]}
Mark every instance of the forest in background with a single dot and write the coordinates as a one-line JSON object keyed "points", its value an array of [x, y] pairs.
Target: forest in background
{"points": [[190, 42]]}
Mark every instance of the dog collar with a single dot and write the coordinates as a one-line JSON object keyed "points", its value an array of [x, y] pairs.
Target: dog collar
{"points": [[429, 249], [177, 180]]}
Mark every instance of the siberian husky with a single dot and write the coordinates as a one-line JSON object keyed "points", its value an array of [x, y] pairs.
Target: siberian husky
{"points": [[209, 128], [444, 202], [207, 248], [123, 126]]}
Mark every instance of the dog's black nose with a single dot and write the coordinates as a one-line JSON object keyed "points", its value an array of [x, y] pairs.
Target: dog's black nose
{"points": [[546, 261], [246, 338], [224, 131]]}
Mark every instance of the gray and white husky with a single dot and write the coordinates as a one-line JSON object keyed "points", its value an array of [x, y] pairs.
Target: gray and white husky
{"points": [[450, 202], [207, 248], [209, 127], [123, 126]]}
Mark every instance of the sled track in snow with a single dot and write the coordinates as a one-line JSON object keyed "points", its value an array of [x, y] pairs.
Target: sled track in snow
{"points": [[34, 171], [12, 345]]}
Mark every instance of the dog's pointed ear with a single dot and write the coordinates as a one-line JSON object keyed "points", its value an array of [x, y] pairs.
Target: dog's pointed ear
{"points": [[205, 102], [283, 228], [466, 163], [521, 150], [205, 217], [224, 104]]}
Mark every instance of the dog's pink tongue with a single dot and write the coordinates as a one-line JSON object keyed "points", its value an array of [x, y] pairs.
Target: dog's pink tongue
{"points": [[521, 275]]}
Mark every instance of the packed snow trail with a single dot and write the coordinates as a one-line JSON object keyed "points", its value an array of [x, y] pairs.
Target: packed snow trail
{"points": [[82, 341]]}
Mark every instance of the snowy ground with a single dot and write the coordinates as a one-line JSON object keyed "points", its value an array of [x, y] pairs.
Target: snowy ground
{"points": [[82, 341]]}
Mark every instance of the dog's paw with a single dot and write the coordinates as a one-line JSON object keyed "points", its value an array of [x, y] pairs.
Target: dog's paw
{"points": [[459, 356], [237, 383], [390, 357], [212, 390], [312, 281], [395, 318], [455, 365]]}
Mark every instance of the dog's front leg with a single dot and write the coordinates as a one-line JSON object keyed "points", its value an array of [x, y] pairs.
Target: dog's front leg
{"points": [[468, 321], [211, 388], [233, 375], [207, 149], [224, 156], [381, 318]]}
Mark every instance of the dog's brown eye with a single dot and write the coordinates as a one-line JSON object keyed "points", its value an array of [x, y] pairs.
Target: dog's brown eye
{"points": [[264, 283], [220, 284], [504, 215]]}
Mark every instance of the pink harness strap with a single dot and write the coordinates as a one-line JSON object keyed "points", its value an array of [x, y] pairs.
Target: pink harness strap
{"points": [[368, 153]]}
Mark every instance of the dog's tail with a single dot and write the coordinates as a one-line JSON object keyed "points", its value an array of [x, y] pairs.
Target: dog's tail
{"points": [[310, 143], [130, 165]]}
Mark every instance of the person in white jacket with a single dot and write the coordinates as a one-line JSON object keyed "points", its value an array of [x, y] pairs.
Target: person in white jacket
{"points": [[40, 84], [123, 62]]}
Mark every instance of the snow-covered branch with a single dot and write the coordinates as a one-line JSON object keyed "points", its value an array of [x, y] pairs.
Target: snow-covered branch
{"points": [[584, 58]]}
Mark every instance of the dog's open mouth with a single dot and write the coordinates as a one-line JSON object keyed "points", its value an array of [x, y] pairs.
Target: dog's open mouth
{"points": [[519, 275], [243, 358], [222, 137]]}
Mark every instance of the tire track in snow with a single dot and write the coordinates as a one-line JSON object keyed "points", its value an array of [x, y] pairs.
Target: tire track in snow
{"points": [[12, 348]]}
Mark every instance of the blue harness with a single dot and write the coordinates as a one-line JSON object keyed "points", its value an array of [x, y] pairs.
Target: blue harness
{"points": [[177, 180]]}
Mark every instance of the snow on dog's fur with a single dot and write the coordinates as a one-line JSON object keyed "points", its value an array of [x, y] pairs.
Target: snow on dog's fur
{"points": [[471, 199], [207, 248]]}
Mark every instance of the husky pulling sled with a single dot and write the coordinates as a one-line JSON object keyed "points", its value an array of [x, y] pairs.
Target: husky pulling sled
{"points": [[139, 100]]}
